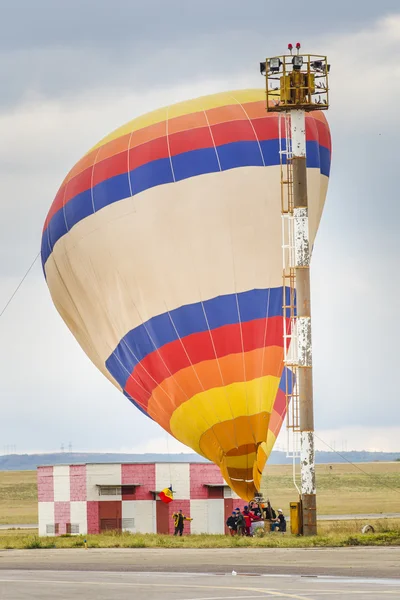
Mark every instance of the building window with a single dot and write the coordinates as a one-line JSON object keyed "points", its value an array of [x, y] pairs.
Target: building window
{"points": [[72, 528], [128, 523], [110, 524], [52, 529], [110, 490]]}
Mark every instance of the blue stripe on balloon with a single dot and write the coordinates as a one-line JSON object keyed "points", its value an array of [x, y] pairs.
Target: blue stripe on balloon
{"points": [[159, 172], [290, 381], [135, 403], [187, 320], [195, 162]]}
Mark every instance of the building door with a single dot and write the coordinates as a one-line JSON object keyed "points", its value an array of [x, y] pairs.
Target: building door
{"points": [[162, 513], [228, 508], [110, 515]]}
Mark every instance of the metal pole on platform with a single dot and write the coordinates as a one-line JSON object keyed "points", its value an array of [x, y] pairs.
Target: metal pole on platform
{"points": [[297, 83], [303, 321]]}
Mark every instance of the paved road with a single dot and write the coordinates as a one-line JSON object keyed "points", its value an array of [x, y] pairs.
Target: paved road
{"points": [[383, 562], [51, 585]]}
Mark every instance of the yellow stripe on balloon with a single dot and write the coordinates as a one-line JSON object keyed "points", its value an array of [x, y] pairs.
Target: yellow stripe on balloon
{"points": [[240, 462], [222, 404], [184, 108], [267, 447]]}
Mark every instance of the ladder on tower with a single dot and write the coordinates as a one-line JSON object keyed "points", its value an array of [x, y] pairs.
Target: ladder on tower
{"points": [[289, 290]]}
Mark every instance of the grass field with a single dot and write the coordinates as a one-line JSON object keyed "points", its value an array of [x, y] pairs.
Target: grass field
{"points": [[342, 489], [347, 533], [18, 497]]}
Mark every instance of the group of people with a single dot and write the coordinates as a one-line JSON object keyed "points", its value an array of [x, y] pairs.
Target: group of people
{"points": [[242, 522], [252, 517]]}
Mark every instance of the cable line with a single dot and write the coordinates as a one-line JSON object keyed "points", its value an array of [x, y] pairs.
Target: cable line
{"points": [[18, 286], [397, 490]]}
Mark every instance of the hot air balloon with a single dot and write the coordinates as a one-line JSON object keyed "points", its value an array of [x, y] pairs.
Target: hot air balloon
{"points": [[162, 252]]}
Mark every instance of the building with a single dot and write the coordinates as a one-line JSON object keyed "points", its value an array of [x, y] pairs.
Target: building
{"points": [[92, 498]]}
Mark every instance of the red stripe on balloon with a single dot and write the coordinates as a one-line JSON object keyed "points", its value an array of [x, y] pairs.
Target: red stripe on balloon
{"points": [[262, 129], [198, 347]]}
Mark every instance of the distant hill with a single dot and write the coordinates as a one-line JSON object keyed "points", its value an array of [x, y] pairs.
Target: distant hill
{"points": [[29, 462]]}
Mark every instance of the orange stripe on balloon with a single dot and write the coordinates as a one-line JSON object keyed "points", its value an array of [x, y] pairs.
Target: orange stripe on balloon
{"points": [[275, 422], [207, 375], [175, 125], [243, 430], [241, 450]]}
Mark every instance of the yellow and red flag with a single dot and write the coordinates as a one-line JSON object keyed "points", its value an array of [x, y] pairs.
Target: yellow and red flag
{"points": [[166, 495]]}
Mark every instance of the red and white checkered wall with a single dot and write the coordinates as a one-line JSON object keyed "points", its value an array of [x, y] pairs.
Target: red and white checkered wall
{"points": [[69, 500]]}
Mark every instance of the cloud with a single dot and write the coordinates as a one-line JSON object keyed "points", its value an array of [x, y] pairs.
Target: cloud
{"points": [[365, 77]]}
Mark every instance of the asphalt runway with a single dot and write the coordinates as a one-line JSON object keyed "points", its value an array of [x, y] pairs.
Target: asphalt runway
{"points": [[46, 585], [378, 562]]}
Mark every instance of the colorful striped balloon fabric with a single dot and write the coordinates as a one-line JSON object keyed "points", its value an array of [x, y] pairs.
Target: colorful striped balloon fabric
{"points": [[162, 252]]}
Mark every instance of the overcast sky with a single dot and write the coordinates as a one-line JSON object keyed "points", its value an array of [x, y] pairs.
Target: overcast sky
{"points": [[73, 71]]}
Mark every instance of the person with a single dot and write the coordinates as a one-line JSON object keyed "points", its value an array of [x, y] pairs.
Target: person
{"points": [[280, 522], [179, 519], [270, 514], [248, 519], [256, 518], [255, 509], [231, 523], [240, 522]]}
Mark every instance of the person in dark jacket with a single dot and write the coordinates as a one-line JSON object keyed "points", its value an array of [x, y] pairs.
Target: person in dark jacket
{"points": [[240, 523], [255, 509], [280, 522], [179, 522], [231, 523]]}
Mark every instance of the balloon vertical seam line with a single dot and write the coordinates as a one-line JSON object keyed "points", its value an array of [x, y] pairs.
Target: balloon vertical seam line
{"points": [[128, 163], [240, 323], [213, 140], [123, 340], [48, 240], [101, 302], [63, 206], [244, 374], [131, 376], [241, 333], [202, 303], [210, 427], [156, 349], [158, 353], [92, 179], [185, 350], [73, 302], [169, 149], [263, 350], [220, 372], [252, 126], [227, 395]]}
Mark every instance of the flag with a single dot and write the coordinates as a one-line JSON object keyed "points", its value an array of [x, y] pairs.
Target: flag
{"points": [[166, 495]]}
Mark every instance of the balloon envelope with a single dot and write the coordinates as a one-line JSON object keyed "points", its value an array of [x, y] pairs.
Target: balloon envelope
{"points": [[162, 251]]}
